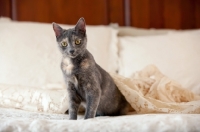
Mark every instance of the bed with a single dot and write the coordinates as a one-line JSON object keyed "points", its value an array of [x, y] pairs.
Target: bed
{"points": [[31, 80], [157, 70]]}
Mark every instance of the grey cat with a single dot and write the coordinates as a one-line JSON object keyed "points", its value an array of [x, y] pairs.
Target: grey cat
{"points": [[87, 83]]}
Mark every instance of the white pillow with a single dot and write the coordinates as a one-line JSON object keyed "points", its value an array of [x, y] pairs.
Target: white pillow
{"points": [[134, 31], [177, 55], [29, 54]]}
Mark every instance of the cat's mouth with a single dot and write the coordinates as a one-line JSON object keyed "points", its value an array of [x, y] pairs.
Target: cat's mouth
{"points": [[72, 55]]}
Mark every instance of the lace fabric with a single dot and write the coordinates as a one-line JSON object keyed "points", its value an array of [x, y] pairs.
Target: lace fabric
{"points": [[33, 99], [148, 91]]}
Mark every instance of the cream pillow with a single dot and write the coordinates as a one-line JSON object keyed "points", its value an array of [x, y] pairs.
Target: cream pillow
{"points": [[134, 31], [177, 55], [29, 54]]}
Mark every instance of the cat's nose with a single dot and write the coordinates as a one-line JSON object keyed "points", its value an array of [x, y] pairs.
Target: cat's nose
{"points": [[71, 51]]}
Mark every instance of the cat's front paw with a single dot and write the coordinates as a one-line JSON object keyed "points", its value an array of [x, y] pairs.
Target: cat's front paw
{"points": [[72, 118]]}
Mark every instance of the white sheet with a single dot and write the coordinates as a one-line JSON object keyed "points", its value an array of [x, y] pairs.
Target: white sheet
{"points": [[18, 120]]}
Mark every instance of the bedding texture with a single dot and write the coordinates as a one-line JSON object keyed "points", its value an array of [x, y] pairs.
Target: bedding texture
{"points": [[148, 91], [33, 96], [30, 65], [16, 120]]}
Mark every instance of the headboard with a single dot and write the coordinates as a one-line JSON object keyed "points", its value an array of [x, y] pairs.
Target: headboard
{"points": [[173, 14]]}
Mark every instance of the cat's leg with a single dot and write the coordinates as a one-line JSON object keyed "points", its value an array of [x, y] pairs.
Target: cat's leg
{"points": [[92, 102], [99, 114], [125, 109], [74, 102]]}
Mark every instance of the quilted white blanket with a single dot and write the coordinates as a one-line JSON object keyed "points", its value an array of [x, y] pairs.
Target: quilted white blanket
{"points": [[18, 121]]}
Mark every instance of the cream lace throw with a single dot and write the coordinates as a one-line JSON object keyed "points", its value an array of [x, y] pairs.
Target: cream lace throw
{"points": [[34, 99], [148, 91]]}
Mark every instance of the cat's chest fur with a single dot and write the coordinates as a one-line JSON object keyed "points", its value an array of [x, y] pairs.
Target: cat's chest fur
{"points": [[74, 70], [70, 67], [67, 66]]}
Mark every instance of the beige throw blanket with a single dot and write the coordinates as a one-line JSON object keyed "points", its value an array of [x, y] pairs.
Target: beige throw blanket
{"points": [[148, 91]]}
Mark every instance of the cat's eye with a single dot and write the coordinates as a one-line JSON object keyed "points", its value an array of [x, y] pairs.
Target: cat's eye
{"points": [[64, 44], [77, 41]]}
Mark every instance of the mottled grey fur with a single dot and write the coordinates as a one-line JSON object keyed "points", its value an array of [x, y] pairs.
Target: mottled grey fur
{"points": [[87, 83]]}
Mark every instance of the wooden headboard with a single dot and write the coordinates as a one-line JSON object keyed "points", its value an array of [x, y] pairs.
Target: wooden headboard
{"points": [[173, 14]]}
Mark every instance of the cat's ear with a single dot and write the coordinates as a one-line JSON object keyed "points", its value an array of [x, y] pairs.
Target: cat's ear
{"points": [[57, 29], [81, 25]]}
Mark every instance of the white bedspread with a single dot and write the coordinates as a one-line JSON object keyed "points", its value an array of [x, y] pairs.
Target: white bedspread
{"points": [[18, 120]]}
